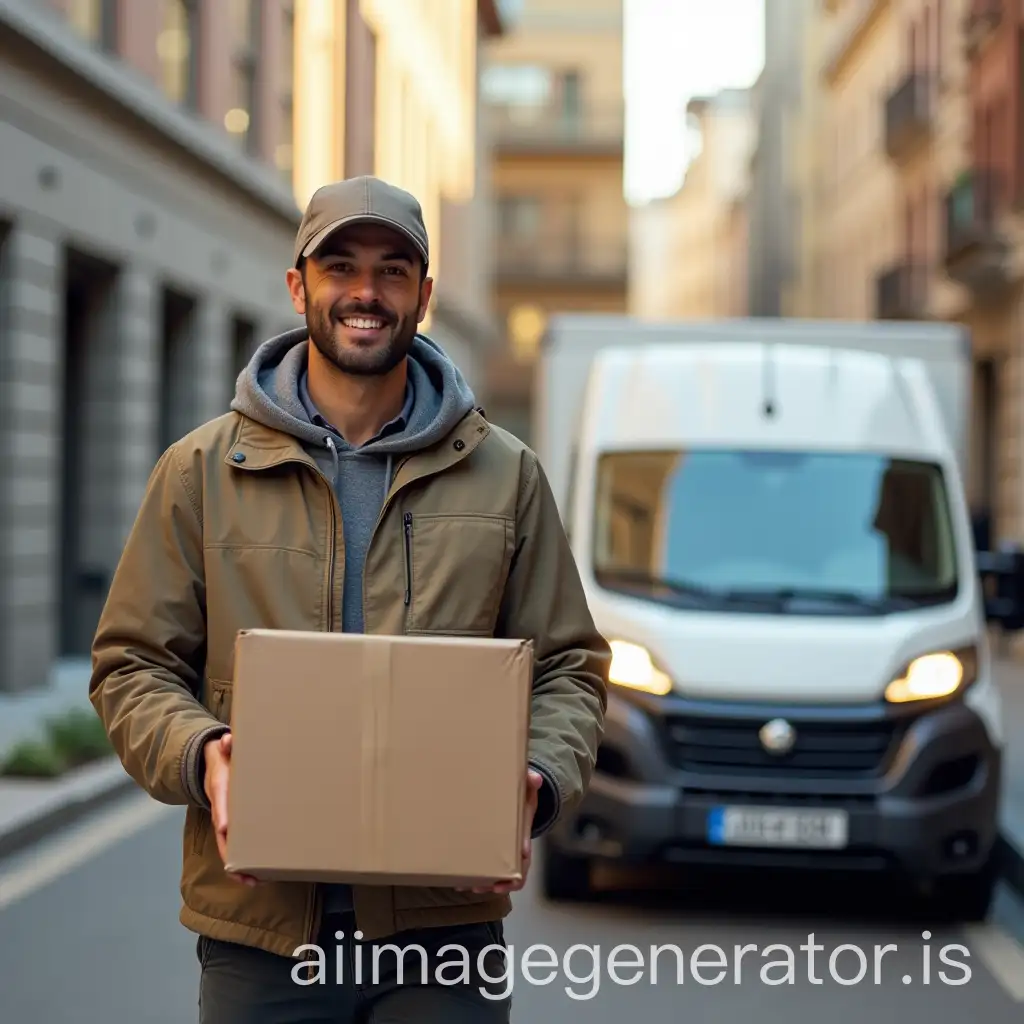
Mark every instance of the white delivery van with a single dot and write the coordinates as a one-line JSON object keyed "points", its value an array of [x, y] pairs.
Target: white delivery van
{"points": [[770, 522]]}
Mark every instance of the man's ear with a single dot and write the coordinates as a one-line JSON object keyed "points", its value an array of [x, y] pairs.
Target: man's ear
{"points": [[426, 290], [297, 290]]}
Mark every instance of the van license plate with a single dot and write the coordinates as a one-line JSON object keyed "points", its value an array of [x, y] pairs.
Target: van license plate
{"points": [[760, 826]]}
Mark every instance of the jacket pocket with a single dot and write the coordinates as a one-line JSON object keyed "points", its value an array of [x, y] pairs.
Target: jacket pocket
{"points": [[221, 691], [456, 567]]}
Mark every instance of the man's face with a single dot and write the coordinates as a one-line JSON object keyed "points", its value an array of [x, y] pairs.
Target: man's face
{"points": [[363, 295]]}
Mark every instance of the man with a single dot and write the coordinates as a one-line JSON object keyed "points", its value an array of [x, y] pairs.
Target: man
{"points": [[289, 512]]}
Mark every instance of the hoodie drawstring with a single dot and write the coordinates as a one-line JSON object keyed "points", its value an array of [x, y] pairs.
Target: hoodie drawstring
{"points": [[333, 449]]}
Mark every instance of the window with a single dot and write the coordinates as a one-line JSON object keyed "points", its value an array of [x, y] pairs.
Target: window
{"points": [[178, 49], [241, 119], [95, 21], [519, 218], [517, 85], [510, 10], [570, 89], [283, 152], [737, 529]]}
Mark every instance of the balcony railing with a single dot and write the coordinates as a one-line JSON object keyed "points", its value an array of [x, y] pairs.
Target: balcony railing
{"points": [[562, 259], [976, 252], [539, 129], [901, 291], [908, 115], [980, 24]]}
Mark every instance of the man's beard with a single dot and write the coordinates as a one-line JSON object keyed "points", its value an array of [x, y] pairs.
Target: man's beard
{"points": [[369, 362]]}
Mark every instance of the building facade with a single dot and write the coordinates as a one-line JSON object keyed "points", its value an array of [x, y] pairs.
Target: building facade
{"points": [[811, 163], [146, 222], [907, 177], [775, 209], [861, 63], [689, 253], [155, 159], [982, 252], [555, 112]]}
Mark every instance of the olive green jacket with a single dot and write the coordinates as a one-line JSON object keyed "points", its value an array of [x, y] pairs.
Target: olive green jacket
{"points": [[239, 529]]}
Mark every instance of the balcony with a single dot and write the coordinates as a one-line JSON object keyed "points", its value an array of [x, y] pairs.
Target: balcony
{"points": [[901, 292], [977, 254], [980, 25], [548, 131], [909, 116], [562, 260]]}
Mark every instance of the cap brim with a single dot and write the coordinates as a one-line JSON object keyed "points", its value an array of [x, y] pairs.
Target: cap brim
{"points": [[361, 218]]}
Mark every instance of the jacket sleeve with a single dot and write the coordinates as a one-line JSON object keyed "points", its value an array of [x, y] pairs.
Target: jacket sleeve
{"points": [[147, 655], [544, 601]]}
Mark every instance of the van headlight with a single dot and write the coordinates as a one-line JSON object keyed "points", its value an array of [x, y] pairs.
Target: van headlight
{"points": [[935, 675], [633, 667]]}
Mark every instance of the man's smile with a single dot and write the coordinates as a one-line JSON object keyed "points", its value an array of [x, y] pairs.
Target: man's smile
{"points": [[362, 327]]}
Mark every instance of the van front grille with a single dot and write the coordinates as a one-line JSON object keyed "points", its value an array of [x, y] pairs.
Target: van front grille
{"points": [[822, 750]]}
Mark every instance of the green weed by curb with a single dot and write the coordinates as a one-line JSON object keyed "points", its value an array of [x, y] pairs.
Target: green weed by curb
{"points": [[70, 741]]}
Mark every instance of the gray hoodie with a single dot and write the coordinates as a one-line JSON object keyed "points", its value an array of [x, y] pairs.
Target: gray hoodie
{"points": [[272, 391]]}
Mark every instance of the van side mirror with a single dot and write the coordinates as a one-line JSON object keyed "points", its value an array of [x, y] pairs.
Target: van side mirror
{"points": [[1002, 581]]}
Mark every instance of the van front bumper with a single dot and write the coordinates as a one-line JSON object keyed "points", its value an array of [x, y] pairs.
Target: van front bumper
{"points": [[919, 788]]}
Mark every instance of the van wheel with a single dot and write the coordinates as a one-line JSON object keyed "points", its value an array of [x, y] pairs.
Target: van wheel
{"points": [[565, 878], [969, 897]]}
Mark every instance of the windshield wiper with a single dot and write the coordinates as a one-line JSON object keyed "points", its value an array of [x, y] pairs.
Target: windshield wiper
{"points": [[682, 588], [850, 598], [685, 588], [776, 598]]}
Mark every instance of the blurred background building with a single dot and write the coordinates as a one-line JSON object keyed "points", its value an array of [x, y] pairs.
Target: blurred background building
{"points": [[776, 210], [907, 142], [554, 108], [883, 178], [155, 155], [689, 253], [392, 89]]}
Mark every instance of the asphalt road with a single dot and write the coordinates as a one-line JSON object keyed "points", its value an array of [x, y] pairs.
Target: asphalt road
{"points": [[89, 932]]}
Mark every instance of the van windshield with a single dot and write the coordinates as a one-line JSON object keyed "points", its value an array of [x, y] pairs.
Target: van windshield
{"points": [[784, 531]]}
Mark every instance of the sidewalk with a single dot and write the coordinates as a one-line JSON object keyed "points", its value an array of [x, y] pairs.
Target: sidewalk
{"points": [[32, 808], [1010, 676]]}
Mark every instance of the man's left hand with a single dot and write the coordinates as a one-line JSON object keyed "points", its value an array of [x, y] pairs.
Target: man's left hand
{"points": [[533, 783]]}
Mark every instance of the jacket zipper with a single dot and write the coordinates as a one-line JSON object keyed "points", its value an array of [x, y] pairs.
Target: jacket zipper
{"points": [[407, 519], [332, 500], [334, 545]]}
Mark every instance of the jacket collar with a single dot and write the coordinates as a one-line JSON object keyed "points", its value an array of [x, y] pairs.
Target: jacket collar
{"points": [[258, 447]]}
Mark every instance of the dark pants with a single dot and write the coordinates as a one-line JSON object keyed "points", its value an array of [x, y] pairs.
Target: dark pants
{"points": [[360, 982]]}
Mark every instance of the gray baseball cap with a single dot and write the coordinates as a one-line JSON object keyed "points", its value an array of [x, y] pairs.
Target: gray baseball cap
{"points": [[362, 200]]}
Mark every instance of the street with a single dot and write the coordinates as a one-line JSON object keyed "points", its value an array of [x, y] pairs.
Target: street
{"points": [[88, 931]]}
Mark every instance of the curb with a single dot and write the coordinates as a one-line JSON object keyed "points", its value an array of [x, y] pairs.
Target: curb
{"points": [[110, 783]]}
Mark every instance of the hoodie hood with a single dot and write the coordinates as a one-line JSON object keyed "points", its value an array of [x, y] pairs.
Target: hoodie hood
{"points": [[267, 391]]}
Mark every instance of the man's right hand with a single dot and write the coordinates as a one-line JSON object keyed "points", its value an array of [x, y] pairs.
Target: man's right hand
{"points": [[217, 757]]}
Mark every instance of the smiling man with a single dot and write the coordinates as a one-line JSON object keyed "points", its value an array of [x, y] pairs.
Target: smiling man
{"points": [[298, 509]]}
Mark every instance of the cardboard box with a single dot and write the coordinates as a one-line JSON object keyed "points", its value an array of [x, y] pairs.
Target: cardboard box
{"points": [[378, 760]]}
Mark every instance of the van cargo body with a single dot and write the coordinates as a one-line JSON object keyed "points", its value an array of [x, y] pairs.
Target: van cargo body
{"points": [[770, 521]]}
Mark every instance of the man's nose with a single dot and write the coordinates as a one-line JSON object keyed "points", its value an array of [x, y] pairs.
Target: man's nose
{"points": [[364, 287]]}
